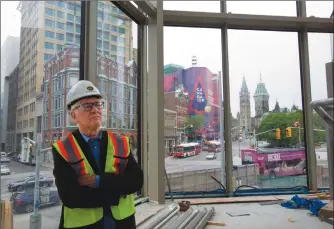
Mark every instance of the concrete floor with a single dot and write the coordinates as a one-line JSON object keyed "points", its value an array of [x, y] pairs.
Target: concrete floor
{"points": [[260, 216], [265, 217]]}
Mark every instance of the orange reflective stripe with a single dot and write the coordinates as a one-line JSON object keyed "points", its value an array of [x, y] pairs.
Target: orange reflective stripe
{"points": [[72, 154], [121, 152], [126, 146], [114, 143], [63, 152]]}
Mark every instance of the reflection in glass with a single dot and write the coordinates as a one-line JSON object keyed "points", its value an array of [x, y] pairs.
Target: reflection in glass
{"points": [[192, 109], [117, 70], [267, 124]]}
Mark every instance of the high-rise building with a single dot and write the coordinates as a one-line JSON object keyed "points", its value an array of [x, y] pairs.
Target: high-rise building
{"points": [[261, 98], [46, 26], [10, 54], [12, 107], [245, 109]]}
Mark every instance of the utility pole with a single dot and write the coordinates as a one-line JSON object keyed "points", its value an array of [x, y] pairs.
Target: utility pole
{"points": [[35, 218]]}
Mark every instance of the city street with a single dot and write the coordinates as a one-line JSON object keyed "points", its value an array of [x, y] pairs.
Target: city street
{"points": [[200, 162], [51, 215]]}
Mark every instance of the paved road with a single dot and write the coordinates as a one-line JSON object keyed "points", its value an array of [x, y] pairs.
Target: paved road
{"points": [[199, 162], [18, 171]]}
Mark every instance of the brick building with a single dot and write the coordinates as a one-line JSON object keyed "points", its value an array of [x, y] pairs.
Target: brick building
{"points": [[177, 101], [117, 83]]}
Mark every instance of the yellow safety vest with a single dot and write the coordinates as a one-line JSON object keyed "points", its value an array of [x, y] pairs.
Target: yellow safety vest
{"points": [[117, 152]]}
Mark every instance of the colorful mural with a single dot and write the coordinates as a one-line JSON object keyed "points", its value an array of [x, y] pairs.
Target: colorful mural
{"points": [[202, 89]]}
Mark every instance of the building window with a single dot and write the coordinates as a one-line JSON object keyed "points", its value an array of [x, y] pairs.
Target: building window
{"points": [[99, 25], [106, 36], [75, 62], [121, 30], [69, 37], [114, 28], [113, 38], [48, 45], [106, 45], [113, 121], [49, 12], [60, 25], [113, 105], [49, 23], [58, 47], [77, 28], [114, 48], [49, 34], [73, 79], [69, 27], [60, 14], [106, 27], [70, 6]]}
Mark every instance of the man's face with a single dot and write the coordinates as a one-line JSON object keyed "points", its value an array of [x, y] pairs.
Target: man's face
{"points": [[88, 112]]}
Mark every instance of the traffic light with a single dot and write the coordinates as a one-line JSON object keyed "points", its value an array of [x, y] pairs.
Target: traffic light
{"points": [[288, 132], [278, 133]]}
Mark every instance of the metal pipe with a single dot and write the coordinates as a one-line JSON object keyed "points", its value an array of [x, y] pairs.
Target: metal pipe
{"points": [[197, 219], [165, 220], [165, 213], [181, 219], [189, 219], [205, 219]]}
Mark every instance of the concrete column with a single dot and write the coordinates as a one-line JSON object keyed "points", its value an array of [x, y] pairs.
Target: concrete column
{"points": [[307, 99], [156, 157], [330, 132], [227, 105], [90, 54]]}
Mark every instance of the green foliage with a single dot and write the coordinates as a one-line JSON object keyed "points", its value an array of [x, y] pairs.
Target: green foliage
{"points": [[284, 120], [197, 121]]}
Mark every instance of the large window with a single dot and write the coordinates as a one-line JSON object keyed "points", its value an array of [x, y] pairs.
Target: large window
{"points": [[320, 58], [192, 108], [117, 69], [266, 105]]}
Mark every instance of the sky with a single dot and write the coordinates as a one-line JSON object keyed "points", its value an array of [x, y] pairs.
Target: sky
{"points": [[273, 55]]}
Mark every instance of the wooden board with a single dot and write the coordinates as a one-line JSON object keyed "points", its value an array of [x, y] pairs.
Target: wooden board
{"points": [[327, 211], [6, 215], [229, 200]]}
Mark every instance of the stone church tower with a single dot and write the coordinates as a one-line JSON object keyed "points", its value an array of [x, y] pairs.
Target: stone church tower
{"points": [[245, 109], [261, 98]]}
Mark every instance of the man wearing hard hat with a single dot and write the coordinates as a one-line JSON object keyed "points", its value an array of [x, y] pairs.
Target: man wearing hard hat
{"points": [[95, 173]]}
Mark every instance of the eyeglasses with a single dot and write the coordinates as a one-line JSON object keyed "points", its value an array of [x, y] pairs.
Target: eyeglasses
{"points": [[89, 106]]}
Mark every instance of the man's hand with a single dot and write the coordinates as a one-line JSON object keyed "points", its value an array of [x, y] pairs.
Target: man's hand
{"points": [[88, 180]]}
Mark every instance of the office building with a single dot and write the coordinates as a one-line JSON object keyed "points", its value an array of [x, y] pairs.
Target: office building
{"points": [[49, 26]]}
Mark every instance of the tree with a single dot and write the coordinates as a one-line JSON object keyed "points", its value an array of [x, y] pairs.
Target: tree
{"points": [[197, 121], [284, 120]]}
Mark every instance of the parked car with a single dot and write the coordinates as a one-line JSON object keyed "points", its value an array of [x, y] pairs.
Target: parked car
{"points": [[4, 159], [3, 154], [29, 183], [24, 201], [5, 170]]}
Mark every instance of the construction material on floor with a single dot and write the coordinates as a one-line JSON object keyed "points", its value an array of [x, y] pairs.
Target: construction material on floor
{"points": [[215, 223], [236, 214], [6, 211], [326, 213], [171, 217], [313, 205]]}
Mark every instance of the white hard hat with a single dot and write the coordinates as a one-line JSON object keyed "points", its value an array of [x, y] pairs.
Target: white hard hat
{"points": [[80, 90]]}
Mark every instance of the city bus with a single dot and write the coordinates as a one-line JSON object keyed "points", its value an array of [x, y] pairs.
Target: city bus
{"points": [[214, 146], [187, 149], [275, 162]]}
